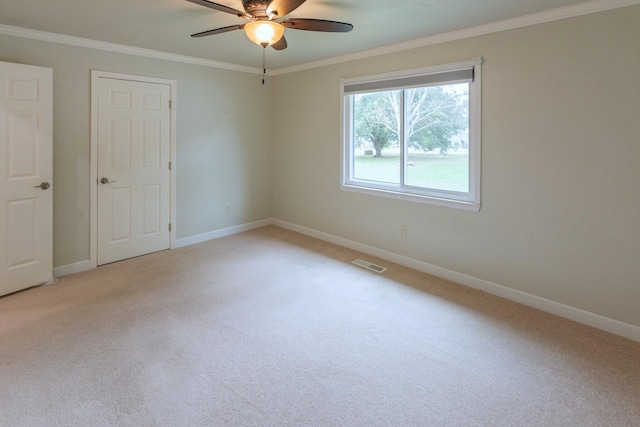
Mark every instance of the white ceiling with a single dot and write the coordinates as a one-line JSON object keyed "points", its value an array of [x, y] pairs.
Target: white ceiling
{"points": [[166, 25]]}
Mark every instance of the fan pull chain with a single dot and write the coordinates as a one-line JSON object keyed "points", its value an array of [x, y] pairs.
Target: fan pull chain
{"points": [[264, 62]]}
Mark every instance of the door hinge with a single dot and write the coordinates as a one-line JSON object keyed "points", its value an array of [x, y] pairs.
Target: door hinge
{"points": [[169, 165], [169, 226], [170, 104]]}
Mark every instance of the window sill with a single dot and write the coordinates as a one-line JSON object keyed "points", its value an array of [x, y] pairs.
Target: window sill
{"points": [[415, 198]]}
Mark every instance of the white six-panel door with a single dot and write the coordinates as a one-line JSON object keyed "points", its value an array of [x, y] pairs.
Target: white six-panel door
{"points": [[26, 176], [133, 170]]}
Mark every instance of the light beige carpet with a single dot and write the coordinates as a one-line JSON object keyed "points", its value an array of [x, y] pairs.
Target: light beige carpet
{"points": [[272, 328]]}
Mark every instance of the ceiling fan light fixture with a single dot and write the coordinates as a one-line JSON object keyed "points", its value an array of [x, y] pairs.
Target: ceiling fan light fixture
{"points": [[264, 33]]}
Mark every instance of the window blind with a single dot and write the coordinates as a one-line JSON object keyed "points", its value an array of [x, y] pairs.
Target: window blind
{"points": [[456, 76]]}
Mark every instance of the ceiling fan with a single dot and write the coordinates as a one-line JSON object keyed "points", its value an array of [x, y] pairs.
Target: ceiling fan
{"points": [[265, 26]]}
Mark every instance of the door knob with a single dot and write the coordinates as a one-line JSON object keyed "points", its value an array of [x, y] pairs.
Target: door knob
{"points": [[105, 180], [43, 186]]}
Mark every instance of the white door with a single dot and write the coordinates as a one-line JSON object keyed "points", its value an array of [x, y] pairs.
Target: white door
{"points": [[134, 128], [26, 176]]}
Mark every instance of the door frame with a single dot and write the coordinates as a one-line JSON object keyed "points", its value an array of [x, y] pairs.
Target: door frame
{"points": [[93, 232]]}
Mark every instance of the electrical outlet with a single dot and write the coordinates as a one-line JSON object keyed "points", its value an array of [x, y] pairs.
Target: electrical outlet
{"points": [[403, 231], [227, 210]]}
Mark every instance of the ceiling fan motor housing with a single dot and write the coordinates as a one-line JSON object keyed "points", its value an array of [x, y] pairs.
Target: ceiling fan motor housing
{"points": [[256, 8]]}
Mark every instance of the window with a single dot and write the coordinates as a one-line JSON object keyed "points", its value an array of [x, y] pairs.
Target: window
{"points": [[415, 135]]}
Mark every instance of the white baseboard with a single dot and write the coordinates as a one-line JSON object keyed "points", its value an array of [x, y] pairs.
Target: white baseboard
{"points": [[572, 313], [76, 267], [577, 315], [200, 238]]}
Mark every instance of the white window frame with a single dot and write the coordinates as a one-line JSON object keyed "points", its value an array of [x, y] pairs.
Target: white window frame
{"points": [[401, 80]]}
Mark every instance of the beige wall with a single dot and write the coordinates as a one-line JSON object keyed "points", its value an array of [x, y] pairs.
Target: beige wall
{"points": [[560, 214], [223, 157]]}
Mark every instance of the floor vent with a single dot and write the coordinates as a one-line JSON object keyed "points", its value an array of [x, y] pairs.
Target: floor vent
{"points": [[369, 266]]}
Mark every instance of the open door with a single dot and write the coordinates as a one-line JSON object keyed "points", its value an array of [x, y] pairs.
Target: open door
{"points": [[26, 176]]}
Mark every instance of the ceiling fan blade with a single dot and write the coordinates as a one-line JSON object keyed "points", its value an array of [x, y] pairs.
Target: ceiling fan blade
{"points": [[317, 25], [283, 7], [220, 7], [280, 44], [218, 31]]}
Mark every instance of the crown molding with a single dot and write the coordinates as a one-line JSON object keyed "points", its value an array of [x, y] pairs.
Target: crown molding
{"points": [[583, 8], [119, 48], [551, 15]]}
